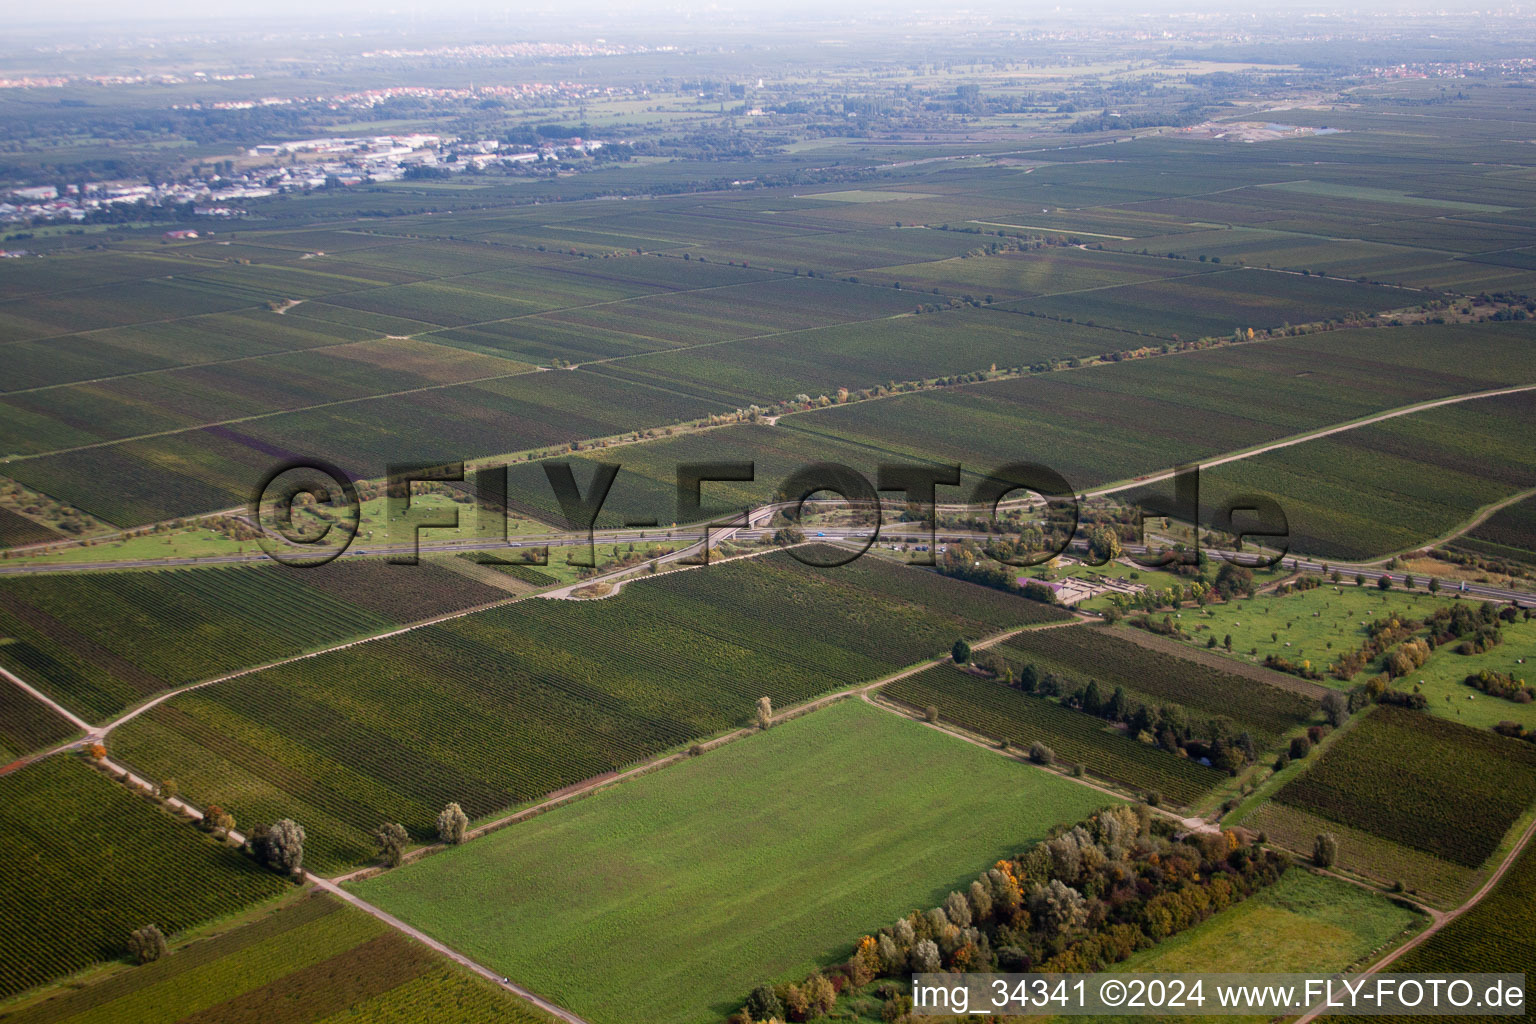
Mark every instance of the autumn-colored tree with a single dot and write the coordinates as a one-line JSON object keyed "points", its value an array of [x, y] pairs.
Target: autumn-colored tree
{"points": [[797, 1005], [763, 715], [865, 964], [217, 819], [820, 994]]}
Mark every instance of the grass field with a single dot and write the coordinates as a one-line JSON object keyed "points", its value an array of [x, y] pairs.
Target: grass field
{"points": [[1304, 923], [312, 960], [822, 828], [1319, 625]]}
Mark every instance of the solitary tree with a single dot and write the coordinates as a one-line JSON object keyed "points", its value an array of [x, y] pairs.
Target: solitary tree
{"points": [[1384, 582], [763, 716], [1434, 585], [146, 944], [217, 819], [391, 839], [1335, 708], [1041, 754], [1325, 849], [280, 847], [960, 653], [452, 823]]}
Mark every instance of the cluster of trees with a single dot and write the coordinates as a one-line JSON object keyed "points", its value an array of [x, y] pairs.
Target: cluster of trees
{"points": [[1230, 582], [1382, 635], [1477, 628], [1501, 684], [1090, 896], [1514, 730], [1301, 668], [1472, 629]]}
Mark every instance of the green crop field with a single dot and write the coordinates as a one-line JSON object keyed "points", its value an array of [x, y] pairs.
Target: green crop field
{"points": [[1393, 485], [16, 530], [862, 355], [87, 863], [1094, 425], [1051, 271], [308, 961], [1115, 422], [1423, 876], [1423, 782], [504, 706], [781, 884], [1497, 935], [1216, 304], [149, 631], [1153, 676], [993, 709], [1508, 533], [27, 724]]}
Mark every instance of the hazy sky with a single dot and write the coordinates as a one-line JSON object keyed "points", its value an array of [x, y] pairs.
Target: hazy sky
{"points": [[657, 13]]}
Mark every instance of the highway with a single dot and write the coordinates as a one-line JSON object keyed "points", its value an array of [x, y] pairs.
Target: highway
{"points": [[687, 538]]}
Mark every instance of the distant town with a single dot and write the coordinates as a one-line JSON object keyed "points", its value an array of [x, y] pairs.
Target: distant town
{"points": [[314, 164]]}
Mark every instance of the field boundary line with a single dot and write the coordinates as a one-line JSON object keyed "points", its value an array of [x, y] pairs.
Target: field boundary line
{"points": [[890, 705]]}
